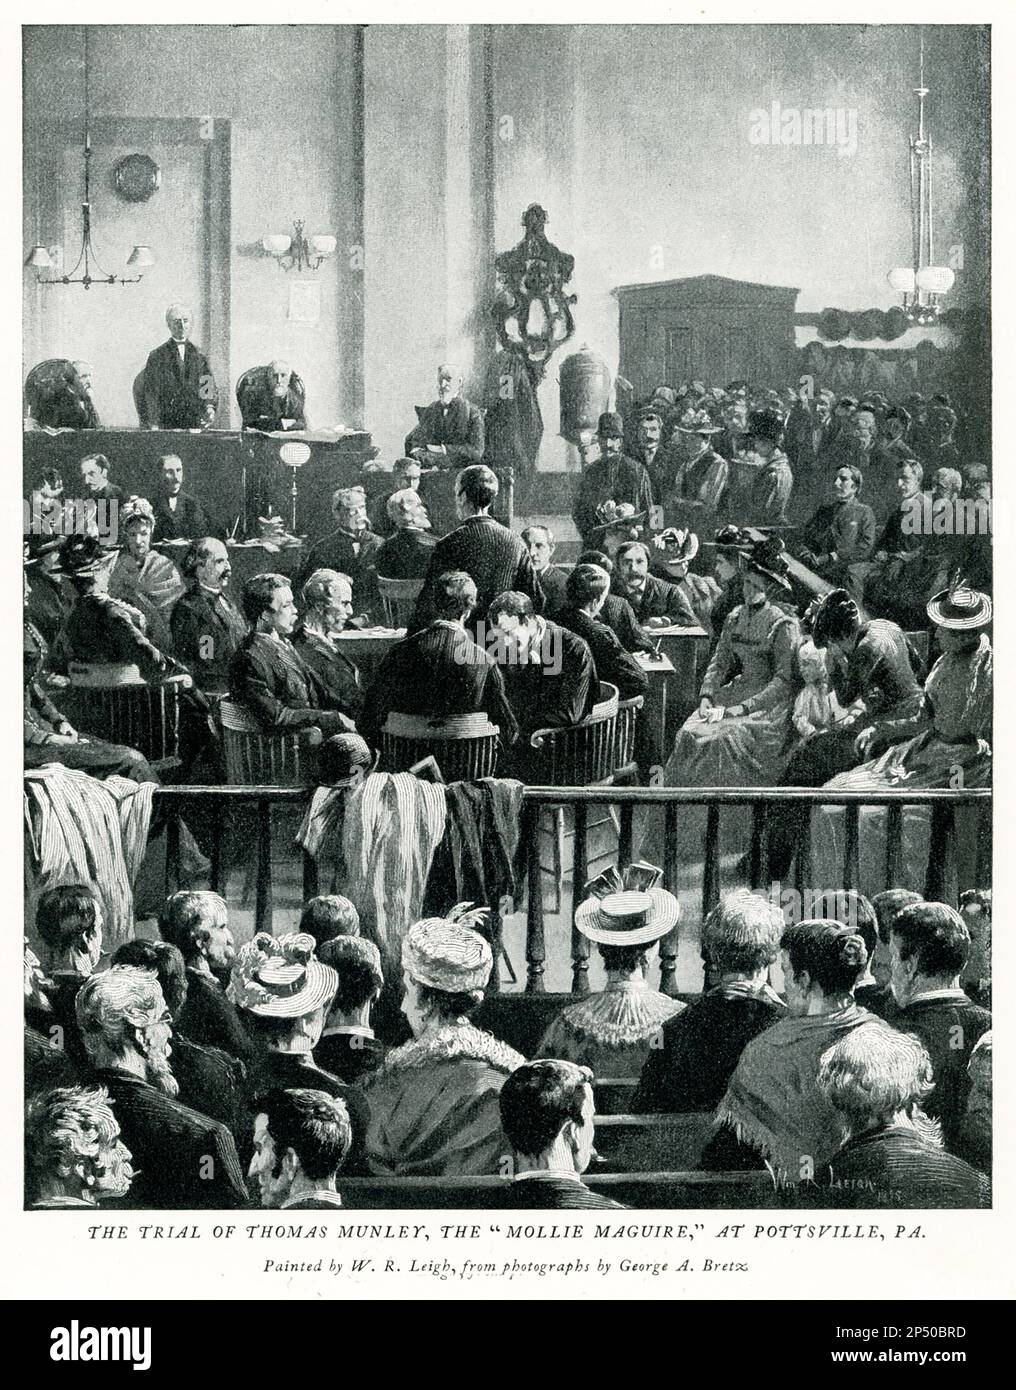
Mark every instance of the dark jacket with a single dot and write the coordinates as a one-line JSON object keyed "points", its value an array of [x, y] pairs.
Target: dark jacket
{"points": [[208, 1017], [553, 582], [102, 629], [274, 682], [612, 662], [896, 1167], [406, 555], [558, 689], [846, 528], [182, 1159], [49, 604], [207, 630], [349, 1056], [299, 1070], [437, 673], [211, 1081], [187, 521], [949, 1027], [336, 671], [261, 409], [67, 409], [496, 559], [618, 614], [882, 668], [659, 599], [459, 427], [701, 1049], [353, 556], [610, 480], [550, 1192], [176, 396]]}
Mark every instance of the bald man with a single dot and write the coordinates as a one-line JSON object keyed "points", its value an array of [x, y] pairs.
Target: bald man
{"points": [[275, 401], [180, 389], [450, 431]]}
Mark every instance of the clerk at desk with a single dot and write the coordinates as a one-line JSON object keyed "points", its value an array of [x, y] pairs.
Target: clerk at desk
{"points": [[449, 433], [179, 391]]}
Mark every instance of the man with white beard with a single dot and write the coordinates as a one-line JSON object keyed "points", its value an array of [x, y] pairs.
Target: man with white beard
{"points": [[182, 1158]]}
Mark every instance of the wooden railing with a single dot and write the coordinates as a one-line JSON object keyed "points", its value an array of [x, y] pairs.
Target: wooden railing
{"points": [[764, 802]]}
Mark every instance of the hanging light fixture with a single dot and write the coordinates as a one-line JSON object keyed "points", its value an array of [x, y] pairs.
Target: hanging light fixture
{"points": [[298, 252], [923, 283], [92, 273]]}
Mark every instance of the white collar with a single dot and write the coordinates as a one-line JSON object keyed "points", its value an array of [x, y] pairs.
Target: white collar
{"points": [[356, 1030], [568, 1173], [927, 994], [323, 1195]]}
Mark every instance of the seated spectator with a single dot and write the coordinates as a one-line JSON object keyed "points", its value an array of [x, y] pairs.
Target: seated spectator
{"points": [[549, 676], [838, 540], [301, 1139], [178, 516], [407, 553], [284, 993], [197, 924], [773, 1113], [73, 1150], [614, 1031], [655, 602], [348, 1047], [211, 1081], [449, 432], [974, 1140], [929, 945], [350, 549], [267, 674], [495, 558], [46, 1061], [273, 400], [729, 544], [434, 1102], [50, 600], [59, 396], [847, 905], [547, 1111], [611, 478], [617, 613], [406, 475], [586, 591], [141, 576], [329, 916], [975, 909], [50, 513], [102, 631], [702, 1045], [887, 905], [675, 550], [206, 625], [185, 1159], [99, 493], [877, 1080], [68, 921], [438, 671], [328, 607], [540, 543]]}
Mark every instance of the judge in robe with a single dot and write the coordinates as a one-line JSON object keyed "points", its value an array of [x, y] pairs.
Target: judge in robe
{"points": [[180, 389], [178, 516], [328, 606], [274, 400], [449, 432], [350, 549], [407, 553], [141, 576], [206, 625], [613, 477]]}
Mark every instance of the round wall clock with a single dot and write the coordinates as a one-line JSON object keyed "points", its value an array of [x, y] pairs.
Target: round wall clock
{"points": [[136, 177]]}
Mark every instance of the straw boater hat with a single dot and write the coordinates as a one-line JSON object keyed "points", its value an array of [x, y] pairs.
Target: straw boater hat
{"points": [[445, 953], [960, 610], [281, 977], [698, 422], [627, 909]]}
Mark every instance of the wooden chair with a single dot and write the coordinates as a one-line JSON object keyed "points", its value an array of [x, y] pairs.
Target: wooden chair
{"points": [[256, 757], [145, 717], [256, 378], [676, 1191], [625, 767], [140, 404], [464, 747], [631, 1143], [398, 599], [614, 1094]]}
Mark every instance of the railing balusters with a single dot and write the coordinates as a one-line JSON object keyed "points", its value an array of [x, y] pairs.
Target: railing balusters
{"points": [[711, 860], [172, 850], [580, 875], [669, 944], [624, 838], [535, 949], [893, 846], [758, 830], [263, 890], [939, 852], [310, 877], [852, 848], [215, 873]]}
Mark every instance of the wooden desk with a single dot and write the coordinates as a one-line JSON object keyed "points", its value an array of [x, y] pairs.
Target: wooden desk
{"points": [[686, 649], [232, 475], [368, 646], [654, 710]]}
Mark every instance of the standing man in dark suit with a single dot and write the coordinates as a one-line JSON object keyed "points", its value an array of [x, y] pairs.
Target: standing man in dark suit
{"points": [[928, 949], [547, 1111], [406, 554], [180, 389], [653, 454], [612, 478], [350, 549], [656, 603], [449, 433], [183, 1159], [178, 516], [438, 671], [301, 1139], [495, 557], [268, 675], [207, 627]]}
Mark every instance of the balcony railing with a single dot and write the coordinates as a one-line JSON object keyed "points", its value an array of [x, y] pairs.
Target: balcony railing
{"points": [[764, 803]]}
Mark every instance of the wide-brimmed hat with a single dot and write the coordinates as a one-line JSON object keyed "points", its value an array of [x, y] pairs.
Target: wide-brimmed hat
{"points": [[618, 516], [610, 425], [667, 394], [698, 422], [280, 977], [730, 537], [835, 615], [960, 610], [38, 544], [631, 917], [81, 556], [765, 424], [768, 558], [446, 953], [678, 546]]}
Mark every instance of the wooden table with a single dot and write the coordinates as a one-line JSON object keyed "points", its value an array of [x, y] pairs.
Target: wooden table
{"points": [[368, 646], [651, 744], [686, 650]]}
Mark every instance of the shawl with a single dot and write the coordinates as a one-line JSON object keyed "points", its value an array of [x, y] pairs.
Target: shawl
{"points": [[611, 1032], [391, 825], [434, 1105], [959, 691], [773, 1103], [81, 830]]}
